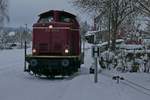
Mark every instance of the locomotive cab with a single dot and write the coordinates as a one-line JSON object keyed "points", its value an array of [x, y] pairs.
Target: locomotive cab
{"points": [[56, 44]]}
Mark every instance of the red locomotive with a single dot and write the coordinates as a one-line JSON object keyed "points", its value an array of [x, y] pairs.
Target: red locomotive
{"points": [[56, 48]]}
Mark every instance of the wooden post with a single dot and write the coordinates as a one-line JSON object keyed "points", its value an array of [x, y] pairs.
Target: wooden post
{"points": [[25, 53], [95, 72]]}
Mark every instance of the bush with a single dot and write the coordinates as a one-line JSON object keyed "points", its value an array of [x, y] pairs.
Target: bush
{"points": [[135, 67]]}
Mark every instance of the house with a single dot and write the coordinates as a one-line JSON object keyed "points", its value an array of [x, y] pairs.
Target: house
{"points": [[100, 36]]}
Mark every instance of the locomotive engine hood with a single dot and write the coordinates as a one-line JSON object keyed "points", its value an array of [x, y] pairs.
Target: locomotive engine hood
{"points": [[55, 34]]}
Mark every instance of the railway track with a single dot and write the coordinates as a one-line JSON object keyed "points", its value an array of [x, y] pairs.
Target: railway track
{"points": [[136, 86]]}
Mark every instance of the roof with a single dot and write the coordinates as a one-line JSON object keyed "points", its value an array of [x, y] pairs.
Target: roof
{"points": [[94, 32], [137, 51], [132, 46], [52, 11], [106, 43], [90, 33]]}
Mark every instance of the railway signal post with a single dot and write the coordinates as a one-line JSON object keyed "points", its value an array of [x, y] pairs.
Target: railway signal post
{"points": [[95, 55], [25, 53]]}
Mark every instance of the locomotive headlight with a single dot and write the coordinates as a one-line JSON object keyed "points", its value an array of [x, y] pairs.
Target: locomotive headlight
{"points": [[34, 51], [66, 51], [50, 26]]}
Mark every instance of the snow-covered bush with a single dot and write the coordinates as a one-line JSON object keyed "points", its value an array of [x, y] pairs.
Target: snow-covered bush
{"points": [[125, 62]]}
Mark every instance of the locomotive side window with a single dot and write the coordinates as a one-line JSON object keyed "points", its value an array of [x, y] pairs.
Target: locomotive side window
{"points": [[46, 19]]}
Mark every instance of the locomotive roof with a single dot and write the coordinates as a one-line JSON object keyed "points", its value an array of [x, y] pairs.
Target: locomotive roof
{"points": [[59, 11]]}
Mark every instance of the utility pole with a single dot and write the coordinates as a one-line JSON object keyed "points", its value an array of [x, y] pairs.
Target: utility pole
{"points": [[26, 27], [25, 47], [25, 53], [95, 55], [26, 31], [21, 36]]}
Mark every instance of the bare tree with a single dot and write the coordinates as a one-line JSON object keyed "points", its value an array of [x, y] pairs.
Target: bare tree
{"points": [[3, 17], [114, 12], [84, 27], [143, 6], [3, 12]]}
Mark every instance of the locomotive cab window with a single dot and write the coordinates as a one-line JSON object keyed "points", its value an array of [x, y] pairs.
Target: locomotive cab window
{"points": [[46, 19]]}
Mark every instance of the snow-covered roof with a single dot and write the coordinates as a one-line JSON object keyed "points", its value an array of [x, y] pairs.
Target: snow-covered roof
{"points": [[119, 40], [131, 46], [90, 33], [105, 43], [137, 51], [11, 33]]}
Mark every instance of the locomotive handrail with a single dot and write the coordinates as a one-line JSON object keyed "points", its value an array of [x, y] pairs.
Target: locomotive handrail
{"points": [[42, 56], [57, 28]]}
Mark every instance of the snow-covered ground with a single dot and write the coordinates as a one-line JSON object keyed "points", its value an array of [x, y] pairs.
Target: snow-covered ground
{"points": [[18, 85]]}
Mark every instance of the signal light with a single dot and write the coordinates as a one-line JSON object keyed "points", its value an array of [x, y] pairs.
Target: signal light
{"points": [[66, 51], [34, 51], [50, 26]]}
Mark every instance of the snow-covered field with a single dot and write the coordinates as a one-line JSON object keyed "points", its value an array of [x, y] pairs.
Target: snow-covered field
{"points": [[17, 85]]}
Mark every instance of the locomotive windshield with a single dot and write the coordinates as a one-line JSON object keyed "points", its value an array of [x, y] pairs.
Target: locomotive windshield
{"points": [[65, 18], [45, 19]]}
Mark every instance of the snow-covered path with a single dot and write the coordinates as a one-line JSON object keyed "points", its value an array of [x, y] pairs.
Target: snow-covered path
{"points": [[17, 85]]}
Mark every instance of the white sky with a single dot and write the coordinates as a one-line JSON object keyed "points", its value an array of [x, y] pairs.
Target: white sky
{"points": [[23, 12]]}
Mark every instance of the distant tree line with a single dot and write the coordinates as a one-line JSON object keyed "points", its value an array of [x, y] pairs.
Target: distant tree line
{"points": [[7, 37], [3, 12], [18, 37]]}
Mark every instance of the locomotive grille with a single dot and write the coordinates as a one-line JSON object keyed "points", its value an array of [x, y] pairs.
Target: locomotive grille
{"points": [[43, 47]]}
